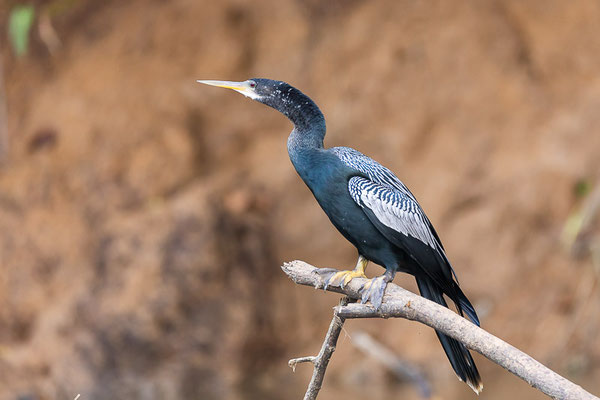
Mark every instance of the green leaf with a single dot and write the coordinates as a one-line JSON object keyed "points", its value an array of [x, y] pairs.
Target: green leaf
{"points": [[19, 25]]}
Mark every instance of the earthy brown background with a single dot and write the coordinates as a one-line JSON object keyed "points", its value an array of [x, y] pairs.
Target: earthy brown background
{"points": [[143, 217]]}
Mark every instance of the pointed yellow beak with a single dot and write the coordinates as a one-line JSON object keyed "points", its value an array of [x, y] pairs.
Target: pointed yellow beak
{"points": [[241, 87]]}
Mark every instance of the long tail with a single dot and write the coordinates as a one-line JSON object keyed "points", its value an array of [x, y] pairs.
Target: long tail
{"points": [[457, 353]]}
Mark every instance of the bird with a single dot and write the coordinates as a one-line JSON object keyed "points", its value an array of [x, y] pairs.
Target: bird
{"points": [[372, 208]]}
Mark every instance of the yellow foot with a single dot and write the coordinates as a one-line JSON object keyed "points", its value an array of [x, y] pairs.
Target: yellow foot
{"points": [[342, 278]]}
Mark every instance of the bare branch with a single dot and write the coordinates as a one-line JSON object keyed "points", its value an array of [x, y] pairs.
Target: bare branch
{"points": [[401, 303], [321, 361]]}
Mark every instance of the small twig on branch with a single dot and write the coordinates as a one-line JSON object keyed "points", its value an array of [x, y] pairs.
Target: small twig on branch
{"points": [[321, 361], [295, 361], [401, 303]]}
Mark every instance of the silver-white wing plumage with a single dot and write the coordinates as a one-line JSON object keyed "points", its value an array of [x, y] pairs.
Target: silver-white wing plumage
{"points": [[392, 208], [389, 199], [375, 171]]}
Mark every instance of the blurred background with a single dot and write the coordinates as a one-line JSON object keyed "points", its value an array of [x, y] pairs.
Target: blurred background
{"points": [[143, 217]]}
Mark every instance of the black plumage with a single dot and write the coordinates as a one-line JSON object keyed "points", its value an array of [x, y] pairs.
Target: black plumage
{"points": [[371, 208]]}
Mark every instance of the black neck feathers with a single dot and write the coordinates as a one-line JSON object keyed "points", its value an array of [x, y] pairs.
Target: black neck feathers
{"points": [[308, 120]]}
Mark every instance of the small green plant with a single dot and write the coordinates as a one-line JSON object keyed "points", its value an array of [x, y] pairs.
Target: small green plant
{"points": [[19, 25]]}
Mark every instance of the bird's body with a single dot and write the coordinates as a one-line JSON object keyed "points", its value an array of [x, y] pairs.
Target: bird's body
{"points": [[330, 188], [371, 208]]}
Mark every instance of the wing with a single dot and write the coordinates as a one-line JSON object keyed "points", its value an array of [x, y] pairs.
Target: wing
{"points": [[394, 210], [402, 221], [375, 171], [383, 176]]}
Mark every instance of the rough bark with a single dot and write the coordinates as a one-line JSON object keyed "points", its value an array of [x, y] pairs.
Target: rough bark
{"points": [[399, 302]]}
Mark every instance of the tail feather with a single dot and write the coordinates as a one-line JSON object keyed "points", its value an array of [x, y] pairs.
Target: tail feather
{"points": [[457, 353], [464, 305]]}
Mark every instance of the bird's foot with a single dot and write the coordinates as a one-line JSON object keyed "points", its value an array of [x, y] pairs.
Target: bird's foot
{"points": [[326, 274], [342, 278], [334, 277], [374, 289]]}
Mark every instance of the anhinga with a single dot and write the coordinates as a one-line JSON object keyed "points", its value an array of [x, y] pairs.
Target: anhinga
{"points": [[372, 208]]}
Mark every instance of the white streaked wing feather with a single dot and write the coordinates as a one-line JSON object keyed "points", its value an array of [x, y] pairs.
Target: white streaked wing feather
{"points": [[375, 171], [392, 208]]}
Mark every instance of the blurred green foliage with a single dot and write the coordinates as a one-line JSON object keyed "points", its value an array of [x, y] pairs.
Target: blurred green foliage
{"points": [[19, 24], [582, 188], [584, 213]]}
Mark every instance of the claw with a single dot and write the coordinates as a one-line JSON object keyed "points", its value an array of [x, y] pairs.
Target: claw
{"points": [[342, 278], [374, 289], [326, 274]]}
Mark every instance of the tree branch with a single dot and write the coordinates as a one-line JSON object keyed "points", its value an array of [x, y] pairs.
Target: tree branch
{"points": [[398, 302], [321, 361]]}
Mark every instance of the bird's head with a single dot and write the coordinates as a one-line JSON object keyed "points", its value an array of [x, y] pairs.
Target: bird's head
{"points": [[283, 97], [270, 92]]}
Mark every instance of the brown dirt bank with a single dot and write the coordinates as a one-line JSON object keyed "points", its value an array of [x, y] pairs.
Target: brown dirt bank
{"points": [[143, 218]]}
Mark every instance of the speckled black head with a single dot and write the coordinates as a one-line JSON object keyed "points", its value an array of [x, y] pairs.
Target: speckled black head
{"points": [[274, 93], [283, 97]]}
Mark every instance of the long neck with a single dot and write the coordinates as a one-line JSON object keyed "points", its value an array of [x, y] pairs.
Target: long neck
{"points": [[308, 120], [305, 141], [309, 124]]}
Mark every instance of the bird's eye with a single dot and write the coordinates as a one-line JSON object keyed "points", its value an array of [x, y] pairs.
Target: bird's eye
{"points": [[253, 84]]}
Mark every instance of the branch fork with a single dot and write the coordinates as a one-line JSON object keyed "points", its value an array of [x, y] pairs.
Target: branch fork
{"points": [[400, 303]]}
